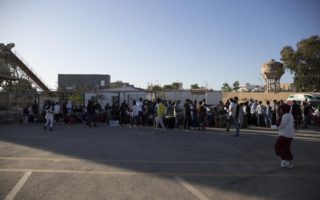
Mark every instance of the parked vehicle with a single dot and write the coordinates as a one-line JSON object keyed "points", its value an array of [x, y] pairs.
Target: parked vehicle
{"points": [[313, 99]]}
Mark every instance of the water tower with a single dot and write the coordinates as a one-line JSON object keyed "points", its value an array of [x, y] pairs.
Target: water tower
{"points": [[271, 73]]}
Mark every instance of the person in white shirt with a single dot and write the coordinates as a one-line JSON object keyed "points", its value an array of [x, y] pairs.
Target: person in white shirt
{"points": [[260, 114], [134, 114], [253, 112], [56, 111], [286, 134], [48, 108], [229, 115]]}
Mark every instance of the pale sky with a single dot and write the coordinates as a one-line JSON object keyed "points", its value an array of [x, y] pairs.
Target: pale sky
{"points": [[156, 41]]}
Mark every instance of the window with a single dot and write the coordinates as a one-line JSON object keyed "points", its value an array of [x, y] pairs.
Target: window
{"points": [[308, 97]]}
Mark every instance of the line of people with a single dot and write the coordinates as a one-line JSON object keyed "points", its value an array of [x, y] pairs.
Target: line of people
{"points": [[189, 114], [256, 113]]}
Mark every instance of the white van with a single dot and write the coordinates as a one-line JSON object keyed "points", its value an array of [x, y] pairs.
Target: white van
{"points": [[313, 99]]}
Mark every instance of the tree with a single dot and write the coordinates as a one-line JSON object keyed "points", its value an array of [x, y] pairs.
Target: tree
{"points": [[156, 88], [236, 86], [226, 88], [195, 86], [177, 85], [117, 84], [167, 87], [304, 63], [173, 86]]}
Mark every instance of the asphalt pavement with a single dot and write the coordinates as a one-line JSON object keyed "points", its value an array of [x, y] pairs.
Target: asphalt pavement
{"points": [[78, 162]]}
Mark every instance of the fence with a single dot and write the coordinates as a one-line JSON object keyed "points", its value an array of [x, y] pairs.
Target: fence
{"points": [[12, 105]]}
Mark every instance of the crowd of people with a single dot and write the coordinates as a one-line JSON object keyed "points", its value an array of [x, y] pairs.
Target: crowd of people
{"points": [[256, 113], [162, 114], [175, 114], [166, 114]]}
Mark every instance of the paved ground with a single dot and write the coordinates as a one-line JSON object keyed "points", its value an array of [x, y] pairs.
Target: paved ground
{"points": [[76, 162]]}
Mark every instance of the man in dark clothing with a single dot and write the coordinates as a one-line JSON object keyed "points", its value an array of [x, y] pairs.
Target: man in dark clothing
{"points": [[187, 115], [202, 115], [123, 112], [91, 111], [296, 113], [307, 112], [194, 112]]}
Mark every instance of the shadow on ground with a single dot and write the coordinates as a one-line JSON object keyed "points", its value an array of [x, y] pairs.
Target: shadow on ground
{"points": [[214, 161]]}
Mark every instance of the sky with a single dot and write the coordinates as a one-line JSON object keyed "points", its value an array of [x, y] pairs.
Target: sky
{"points": [[204, 42]]}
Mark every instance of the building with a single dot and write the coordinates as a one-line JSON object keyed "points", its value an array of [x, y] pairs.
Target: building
{"points": [[211, 97], [247, 87], [114, 95], [83, 81], [286, 86]]}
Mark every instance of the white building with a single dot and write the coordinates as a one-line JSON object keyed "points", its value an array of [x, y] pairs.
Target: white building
{"points": [[247, 87], [113, 95], [129, 94], [211, 97]]}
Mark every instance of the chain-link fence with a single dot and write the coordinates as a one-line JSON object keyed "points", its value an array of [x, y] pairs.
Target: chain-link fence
{"points": [[14, 104]]}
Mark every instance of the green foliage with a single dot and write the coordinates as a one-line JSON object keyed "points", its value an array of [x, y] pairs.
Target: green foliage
{"points": [[156, 88], [304, 63], [117, 84], [173, 86], [236, 86], [21, 86], [176, 85], [168, 87], [226, 87], [195, 86]]}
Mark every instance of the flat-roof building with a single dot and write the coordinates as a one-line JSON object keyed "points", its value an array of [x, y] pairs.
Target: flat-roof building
{"points": [[83, 81]]}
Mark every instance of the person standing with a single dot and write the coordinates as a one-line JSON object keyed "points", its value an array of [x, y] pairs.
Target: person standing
{"points": [[236, 116], [134, 114], [57, 114], [296, 113], [107, 110], [123, 112], [176, 113], [161, 113], [229, 115], [286, 134], [194, 114], [268, 117], [307, 113], [49, 109], [140, 109], [253, 112], [202, 115], [186, 115], [26, 114], [260, 114], [91, 111]]}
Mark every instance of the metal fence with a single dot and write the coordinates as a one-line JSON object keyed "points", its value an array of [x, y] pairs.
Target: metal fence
{"points": [[12, 105]]}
